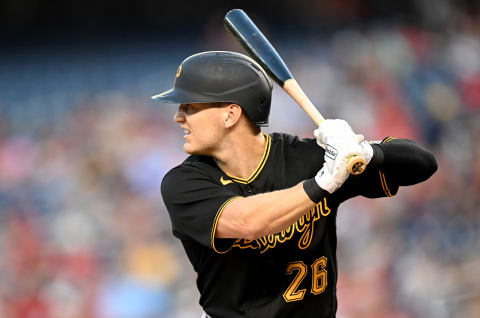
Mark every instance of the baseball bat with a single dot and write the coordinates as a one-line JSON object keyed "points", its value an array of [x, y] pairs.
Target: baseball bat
{"points": [[242, 28]]}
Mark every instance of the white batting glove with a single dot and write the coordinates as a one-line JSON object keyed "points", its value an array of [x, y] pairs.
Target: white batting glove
{"points": [[335, 169], [331, 129], [340, 143], [338, 133], [367, 151], [333, 173]]}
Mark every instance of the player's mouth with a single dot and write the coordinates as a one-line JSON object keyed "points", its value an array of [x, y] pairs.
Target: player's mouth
{"points": [[187, 132]]}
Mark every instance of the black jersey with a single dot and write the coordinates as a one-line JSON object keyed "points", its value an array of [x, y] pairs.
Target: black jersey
{"points": [[288, 274]]}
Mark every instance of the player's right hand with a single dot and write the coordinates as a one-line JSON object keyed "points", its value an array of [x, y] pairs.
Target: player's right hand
{"points": [[329, 181], [340, 143]]}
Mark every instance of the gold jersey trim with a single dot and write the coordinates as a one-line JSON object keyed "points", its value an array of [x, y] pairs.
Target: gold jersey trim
{"points": [[215, 222], [388, 139], [385, 185], [254, 175]]}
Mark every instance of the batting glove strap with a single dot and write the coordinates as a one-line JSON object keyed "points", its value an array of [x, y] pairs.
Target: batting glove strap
{"points": [[313, 190]]}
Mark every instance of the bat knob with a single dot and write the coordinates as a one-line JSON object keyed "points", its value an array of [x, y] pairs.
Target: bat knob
{"points": [[356, 165]]}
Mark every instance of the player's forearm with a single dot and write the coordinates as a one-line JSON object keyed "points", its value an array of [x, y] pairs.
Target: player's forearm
{"points": [[405, 161], [263, 214]]}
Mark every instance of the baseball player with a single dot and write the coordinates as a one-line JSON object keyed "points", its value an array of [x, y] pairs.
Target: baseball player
{"points": [[255, 212]]}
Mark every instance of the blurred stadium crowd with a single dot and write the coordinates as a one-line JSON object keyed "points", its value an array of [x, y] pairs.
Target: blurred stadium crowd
{"points": [[83, 230]]}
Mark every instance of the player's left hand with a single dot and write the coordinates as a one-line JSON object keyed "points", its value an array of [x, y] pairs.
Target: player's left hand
{"points": [[334, 129], [338, 134]]}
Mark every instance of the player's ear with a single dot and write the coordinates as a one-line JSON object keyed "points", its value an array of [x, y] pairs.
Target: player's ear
{"points": [[232, 115]]}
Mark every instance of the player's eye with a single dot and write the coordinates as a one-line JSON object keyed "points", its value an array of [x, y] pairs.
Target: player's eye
{"points": [[187, 108], [190, 109]]}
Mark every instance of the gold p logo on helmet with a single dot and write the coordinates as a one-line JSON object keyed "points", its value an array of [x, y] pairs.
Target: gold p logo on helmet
{"points": [[178, 72]]}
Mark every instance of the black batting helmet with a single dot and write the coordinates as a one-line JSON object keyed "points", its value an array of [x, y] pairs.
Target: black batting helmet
{"points": [[221, 76]]}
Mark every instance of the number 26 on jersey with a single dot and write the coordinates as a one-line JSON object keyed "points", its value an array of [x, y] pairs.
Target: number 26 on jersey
{"points": [[319, 279]]}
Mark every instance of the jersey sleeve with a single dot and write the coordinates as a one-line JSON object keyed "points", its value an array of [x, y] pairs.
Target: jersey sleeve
{"points": [[195, 202], [374, 182]]}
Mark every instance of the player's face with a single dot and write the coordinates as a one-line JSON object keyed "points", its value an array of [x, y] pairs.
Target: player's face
{"points": [[204, 126]]}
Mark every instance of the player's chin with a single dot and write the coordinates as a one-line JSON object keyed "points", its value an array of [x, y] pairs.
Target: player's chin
{"points": [[187, 148], [190, 149], [195, 149]]}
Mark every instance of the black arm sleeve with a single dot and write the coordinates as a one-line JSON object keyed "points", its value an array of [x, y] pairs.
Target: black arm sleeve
{"points": [[404, 161], [395, 163]]}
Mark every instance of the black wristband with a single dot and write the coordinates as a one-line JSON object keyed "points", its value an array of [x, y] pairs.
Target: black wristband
{"points": [[313, 190]]}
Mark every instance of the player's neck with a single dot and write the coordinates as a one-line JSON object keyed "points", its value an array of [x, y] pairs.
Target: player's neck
{"points": [[240, 157]]}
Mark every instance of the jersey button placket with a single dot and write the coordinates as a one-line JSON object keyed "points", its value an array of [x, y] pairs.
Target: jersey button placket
{"points": [[249, 188]]}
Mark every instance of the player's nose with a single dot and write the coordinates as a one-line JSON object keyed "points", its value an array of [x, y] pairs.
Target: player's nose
{"points": [[179, 116]]}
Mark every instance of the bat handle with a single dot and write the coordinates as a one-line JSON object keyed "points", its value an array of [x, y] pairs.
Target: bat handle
{"points": [[356, 164]]}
